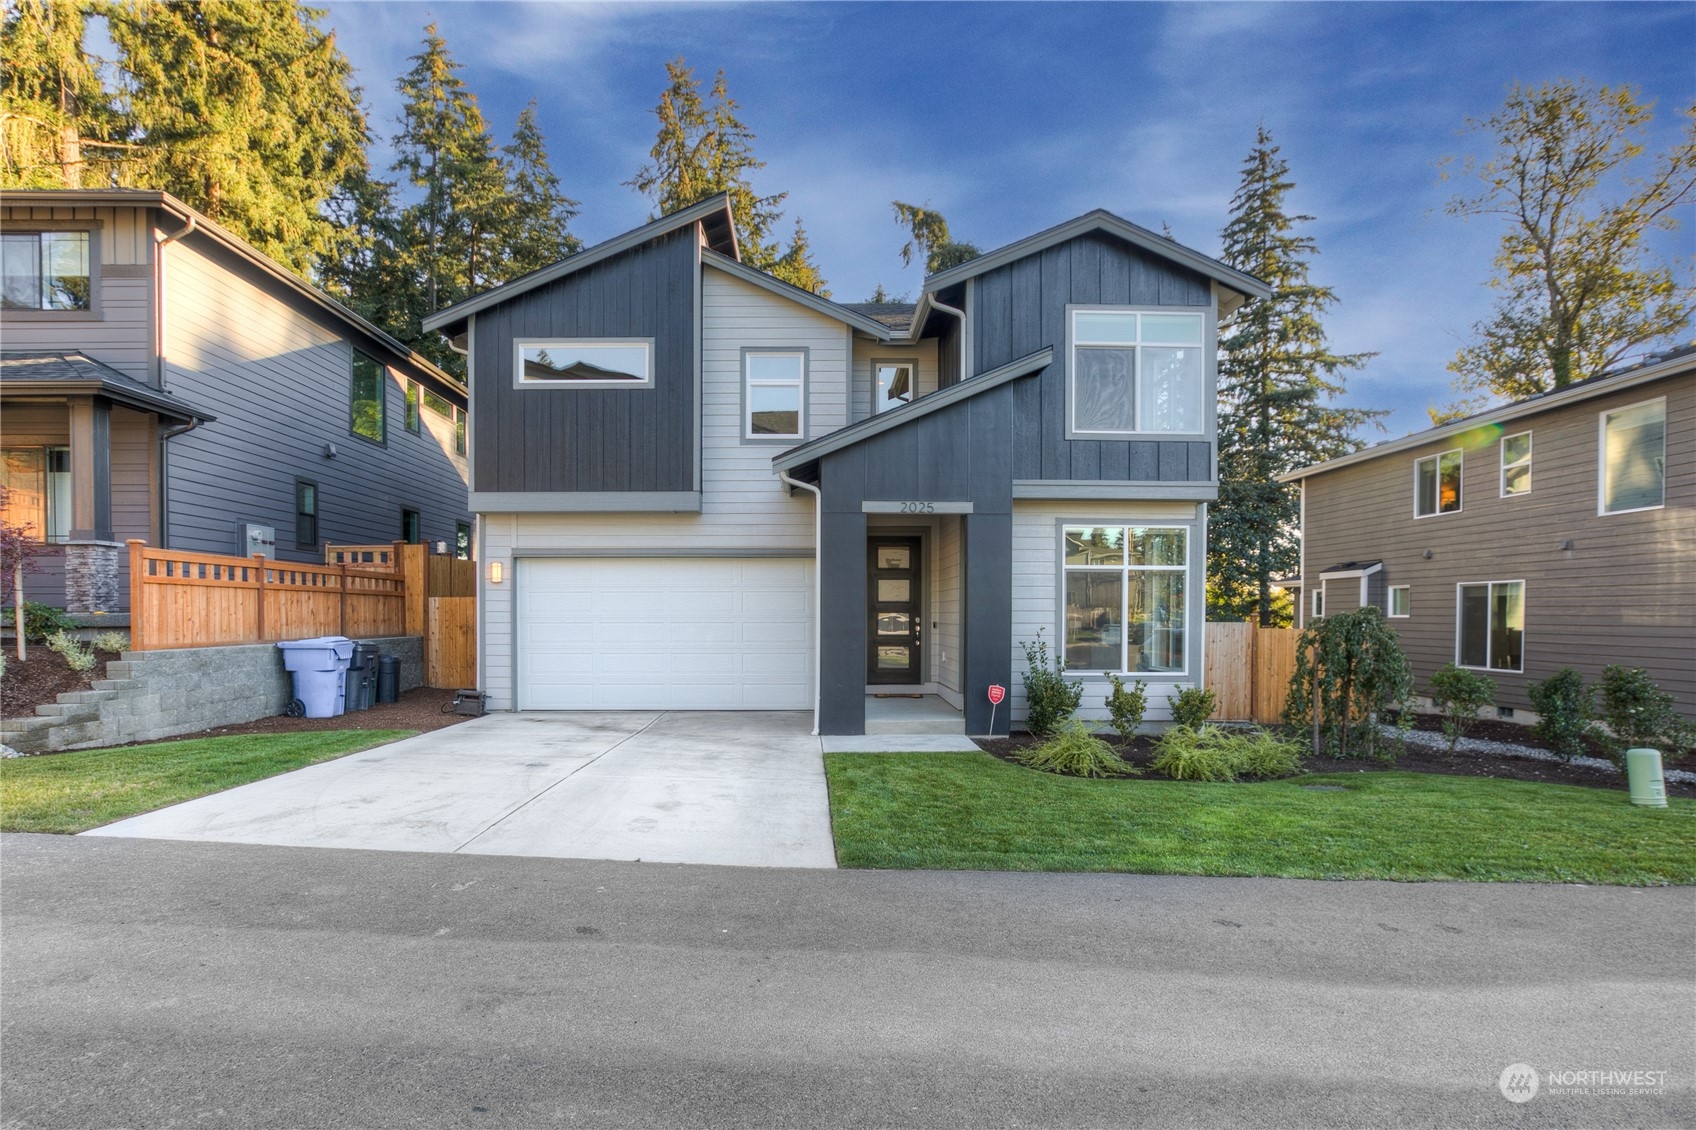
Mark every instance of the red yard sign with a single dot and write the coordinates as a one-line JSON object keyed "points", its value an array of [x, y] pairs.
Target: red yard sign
{"points": [[996, 694]]}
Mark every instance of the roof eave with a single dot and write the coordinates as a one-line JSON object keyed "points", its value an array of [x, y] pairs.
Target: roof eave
{"points": [[795, 294]]}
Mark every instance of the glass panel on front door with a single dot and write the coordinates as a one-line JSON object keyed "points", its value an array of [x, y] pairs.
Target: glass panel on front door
{"points": [[894, 618]]}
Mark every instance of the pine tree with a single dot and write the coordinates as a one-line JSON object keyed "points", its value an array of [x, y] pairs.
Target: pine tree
{"points": [[1277, 378], [59, 123], [369, 266], [537, 233], [929, 237], [246, 110], [796, 266]]}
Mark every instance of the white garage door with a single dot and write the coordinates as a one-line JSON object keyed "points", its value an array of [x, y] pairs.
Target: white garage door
{"points": [[664, 633]]}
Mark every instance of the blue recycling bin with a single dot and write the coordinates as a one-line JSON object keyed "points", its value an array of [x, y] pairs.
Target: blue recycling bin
{"points": [[319, 667]]}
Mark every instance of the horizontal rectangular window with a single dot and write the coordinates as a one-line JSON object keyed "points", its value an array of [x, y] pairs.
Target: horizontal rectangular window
{"points": [[46, 270], [1634, 458], [1490, 628], [1516, 464], [1399, 602], [586, 363], [1125, 598], [1134, 371], [774, 388], [1436, 484], [437, 403]]}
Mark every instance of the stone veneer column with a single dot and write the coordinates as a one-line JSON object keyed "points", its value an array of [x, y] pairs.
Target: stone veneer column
{"points": [[91, 576]]}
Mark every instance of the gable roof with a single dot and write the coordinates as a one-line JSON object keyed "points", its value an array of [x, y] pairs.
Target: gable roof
{"points": [[795, 294], [1682, 360], [1102, 220], [68, 372], [898, 316], [713, 213], [229, 241]]}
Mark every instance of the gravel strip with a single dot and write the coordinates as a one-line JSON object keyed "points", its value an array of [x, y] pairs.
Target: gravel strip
{"points": [[1431, 740]]}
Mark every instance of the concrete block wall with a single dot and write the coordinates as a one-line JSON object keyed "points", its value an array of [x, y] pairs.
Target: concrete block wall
{"points": [[149, 695]]}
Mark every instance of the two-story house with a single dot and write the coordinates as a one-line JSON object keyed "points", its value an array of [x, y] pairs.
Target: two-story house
{"points": [[698, 487], [1557, 531], [162, 380]]}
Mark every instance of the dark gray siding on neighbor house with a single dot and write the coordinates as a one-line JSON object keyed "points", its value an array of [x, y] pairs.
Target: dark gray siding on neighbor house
{"points": [[1599, 589], [591, 440], [1020, 308]]}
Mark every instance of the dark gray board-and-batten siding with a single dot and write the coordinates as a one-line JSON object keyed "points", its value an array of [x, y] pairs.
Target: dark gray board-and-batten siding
{"points": [[593, 440]]}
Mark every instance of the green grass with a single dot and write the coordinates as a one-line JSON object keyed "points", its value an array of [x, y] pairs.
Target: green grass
{"points": [[972, 811], [73, 792]]}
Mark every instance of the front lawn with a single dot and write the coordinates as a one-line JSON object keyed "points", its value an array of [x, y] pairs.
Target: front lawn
{"points": [[971, 811], [83, 789]]}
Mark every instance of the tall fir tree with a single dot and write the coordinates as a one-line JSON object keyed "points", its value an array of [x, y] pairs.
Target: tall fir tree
{"points": [[703, 148], [1277, 381], [60, 126], [246, 110], [928, 238], [537, 228]]}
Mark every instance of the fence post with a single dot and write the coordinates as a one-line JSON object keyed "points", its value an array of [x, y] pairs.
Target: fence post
{"points": [[341, 599], [259, 617], [138, 585], [410, 562]]}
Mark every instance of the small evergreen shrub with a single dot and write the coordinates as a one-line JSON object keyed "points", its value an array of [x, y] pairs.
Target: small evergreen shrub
{"points": [[1460, 694], [112, 641], [78, 657], [41, 621], [1192, 707], [1215, 753], [1049, 698], [1075, 752], [1566, 712], [1127, 706], [1639, 714]]}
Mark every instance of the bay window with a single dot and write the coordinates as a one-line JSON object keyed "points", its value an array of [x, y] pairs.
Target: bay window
{"points": [[1124, 598], [1135, 371]]}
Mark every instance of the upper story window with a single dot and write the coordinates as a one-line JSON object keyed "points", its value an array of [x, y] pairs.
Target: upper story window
{"points": [[1633, 468], [892, 384], [1400, 602], [413, 424], [1124, 589], [774, 394], [1516, 464], [459, 431], [46, 270], [1436, 484], [584, 363], [369, 406], [1136, 371]]}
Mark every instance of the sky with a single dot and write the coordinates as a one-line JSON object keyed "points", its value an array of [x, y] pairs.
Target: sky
{"points": [[1012, 117]]}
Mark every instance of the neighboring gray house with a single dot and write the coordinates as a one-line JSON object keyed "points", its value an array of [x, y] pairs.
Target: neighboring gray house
{"points": [[164, 381], [1559, 531], [698, 487]]}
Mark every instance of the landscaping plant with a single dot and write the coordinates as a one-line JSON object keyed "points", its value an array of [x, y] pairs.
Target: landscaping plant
{"points": [[1219, 753], [42, 621], [1566, 712], [1639, 714], [1460, 694], [17, 557], [1075, 752], [112, 641], [1350, 670], [78, 657], [1192, 707], [1126, 706], [1050, 698]]}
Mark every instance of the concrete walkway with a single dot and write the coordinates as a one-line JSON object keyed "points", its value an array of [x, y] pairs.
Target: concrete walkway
{"points": [[744, 789]]}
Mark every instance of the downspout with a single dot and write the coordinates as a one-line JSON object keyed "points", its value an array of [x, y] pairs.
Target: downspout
{"points": [[818, 587], [960, 314], [159, 352]]}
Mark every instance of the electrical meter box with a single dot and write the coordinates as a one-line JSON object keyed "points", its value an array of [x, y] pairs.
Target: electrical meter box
{"points": [[256, 539]]}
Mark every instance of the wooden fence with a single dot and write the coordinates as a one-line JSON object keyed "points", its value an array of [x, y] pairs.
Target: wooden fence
{"points": [[451, 651], [1249, 668]]}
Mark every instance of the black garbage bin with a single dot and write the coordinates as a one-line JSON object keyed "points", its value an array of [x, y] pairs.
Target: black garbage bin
{"points": [[357, 681], [388, 678], [369, 653]]}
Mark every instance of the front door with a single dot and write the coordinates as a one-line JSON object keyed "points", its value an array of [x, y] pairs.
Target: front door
{"points": [[892, 600]]}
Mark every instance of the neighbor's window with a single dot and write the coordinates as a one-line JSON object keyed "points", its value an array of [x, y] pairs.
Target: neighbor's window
{"points": [[772, 401], [47, 270], [1136, 372], [585, 363], [1634, 458], [412, 424], [459, 431], [305, 514], [462, 540], [1125, 597], [1399, 602], [892, 385], [1516, 464], [1491, 626], [437, 403], [411, 527], [38, 490], [1318, 603], [369, 406], [1436, 484]]}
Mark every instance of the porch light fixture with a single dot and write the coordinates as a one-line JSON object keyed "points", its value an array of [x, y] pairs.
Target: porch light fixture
{"points": [[329, 451], [496, 572]]}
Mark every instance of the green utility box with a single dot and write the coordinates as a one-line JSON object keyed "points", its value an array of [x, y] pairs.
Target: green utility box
{"points": [[1643, 772]]}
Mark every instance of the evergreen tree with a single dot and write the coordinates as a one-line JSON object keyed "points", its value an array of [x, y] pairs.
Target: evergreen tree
{"points": [[796, 266], [1277, 377], [537, 233], [59, 123], [246, 110], [369, 265], [929, 238]]}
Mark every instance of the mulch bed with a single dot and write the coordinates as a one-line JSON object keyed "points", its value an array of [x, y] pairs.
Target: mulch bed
{"points": [[42, 678], [1414, 760]]}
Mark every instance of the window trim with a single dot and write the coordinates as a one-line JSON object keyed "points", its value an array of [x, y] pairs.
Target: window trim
{"points": [[1194, 617], [519, 344], [802, 420], [1602, 457], [382, 397], [1489, 640], [1207, 394], [1460, 486], [317, 508], [461, 431], [95, 230], [912, 365], [1390, 600], [1530, 453]]}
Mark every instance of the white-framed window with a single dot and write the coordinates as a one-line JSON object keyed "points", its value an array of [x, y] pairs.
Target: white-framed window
{"points": [[1632, 471], [893, 384], [1124, 598], [1490, 625], [46, 270], [1436, 484], [774, 386], [1400, 602], [602, 362], [1516, 464], [1133, 371], [1317, 604]]}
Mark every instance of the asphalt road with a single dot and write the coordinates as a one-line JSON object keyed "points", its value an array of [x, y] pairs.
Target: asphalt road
{"points": [[155, 983]]}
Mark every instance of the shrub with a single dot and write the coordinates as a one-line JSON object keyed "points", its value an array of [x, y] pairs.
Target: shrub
{"points": [[41, 621], [1350, 669], [1215, 753], [1126, 707], [1638, 714], [78, 657], [1566, 712], [1049, 698], [1192, 707], [1075, 752], [112, 641], [1460, 694]]}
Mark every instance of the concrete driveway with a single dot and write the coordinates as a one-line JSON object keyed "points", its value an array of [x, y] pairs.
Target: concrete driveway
{"points": [[744, 789]]}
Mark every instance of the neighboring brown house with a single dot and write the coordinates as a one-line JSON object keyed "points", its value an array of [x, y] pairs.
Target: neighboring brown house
{"points": [[1559, 531]]}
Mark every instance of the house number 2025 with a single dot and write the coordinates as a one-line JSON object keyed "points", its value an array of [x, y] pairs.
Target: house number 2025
{"points": [[918, 508]]}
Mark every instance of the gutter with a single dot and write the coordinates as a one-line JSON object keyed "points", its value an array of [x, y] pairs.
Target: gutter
{"points": [[818, 586]]}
